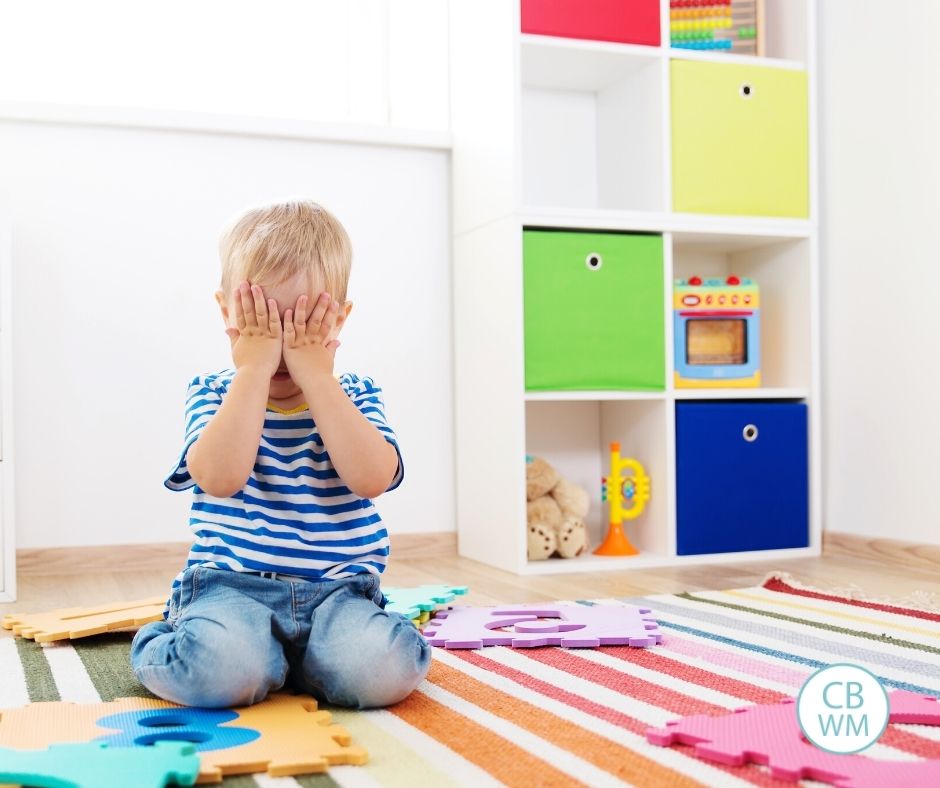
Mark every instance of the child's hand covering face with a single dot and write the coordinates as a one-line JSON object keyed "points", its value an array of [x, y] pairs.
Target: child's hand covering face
{"points": [[310, 345], [257, 342]]}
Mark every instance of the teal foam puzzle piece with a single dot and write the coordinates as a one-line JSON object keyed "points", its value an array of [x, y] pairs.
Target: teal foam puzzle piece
{"points": [[410, 602], [96, 765]]}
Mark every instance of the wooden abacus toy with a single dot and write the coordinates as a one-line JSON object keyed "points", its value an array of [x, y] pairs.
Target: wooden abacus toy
{"points": [[721, 25]]}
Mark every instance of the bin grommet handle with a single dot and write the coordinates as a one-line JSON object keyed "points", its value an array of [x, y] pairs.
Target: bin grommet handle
{"points": [[593, 261]]}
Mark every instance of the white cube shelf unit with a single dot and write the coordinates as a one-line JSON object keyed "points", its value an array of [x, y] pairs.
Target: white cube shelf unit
{"points": [[574, 135]]}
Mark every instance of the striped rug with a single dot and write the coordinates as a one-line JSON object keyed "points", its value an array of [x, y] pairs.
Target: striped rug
{"points": [[577, 717]]}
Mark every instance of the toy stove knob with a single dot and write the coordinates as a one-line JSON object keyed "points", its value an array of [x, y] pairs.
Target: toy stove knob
{"points": [[695, 281], [733, 280]]}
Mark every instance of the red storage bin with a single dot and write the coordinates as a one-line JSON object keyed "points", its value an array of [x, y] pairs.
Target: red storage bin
{"points": [[623, 21]]}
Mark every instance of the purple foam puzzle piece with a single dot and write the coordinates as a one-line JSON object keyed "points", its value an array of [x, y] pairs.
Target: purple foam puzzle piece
{"points": [[771, 735], [569, 626]]}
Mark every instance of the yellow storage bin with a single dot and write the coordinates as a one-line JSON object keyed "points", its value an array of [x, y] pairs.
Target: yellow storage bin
{"points": [[740, 139]]}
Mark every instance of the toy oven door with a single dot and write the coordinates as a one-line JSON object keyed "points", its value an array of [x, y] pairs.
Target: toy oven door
{"points": [[717, 345]]}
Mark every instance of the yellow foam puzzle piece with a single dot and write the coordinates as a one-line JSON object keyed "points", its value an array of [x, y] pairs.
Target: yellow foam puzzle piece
{"points": [[79, 622], [295, 738]]}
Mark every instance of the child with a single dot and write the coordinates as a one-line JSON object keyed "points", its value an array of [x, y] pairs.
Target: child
{"points": [[282, 582]]}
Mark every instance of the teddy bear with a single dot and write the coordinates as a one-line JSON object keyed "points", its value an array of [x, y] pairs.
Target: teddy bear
{"points": [[555, 512]]}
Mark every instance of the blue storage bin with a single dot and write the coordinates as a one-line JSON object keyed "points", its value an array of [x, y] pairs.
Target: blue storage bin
{"points": [[742, 476]]}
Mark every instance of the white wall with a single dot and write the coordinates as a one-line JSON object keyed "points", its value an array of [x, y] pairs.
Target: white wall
{"points": [[880, 159], [375, 61], [115, 265]]}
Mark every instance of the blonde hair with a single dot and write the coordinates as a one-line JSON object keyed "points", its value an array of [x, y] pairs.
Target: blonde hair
{"points": [[276, 242]]}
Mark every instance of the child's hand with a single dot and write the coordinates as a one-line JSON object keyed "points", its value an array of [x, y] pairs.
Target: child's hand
{"points": [[257, 340], [309, 347]]}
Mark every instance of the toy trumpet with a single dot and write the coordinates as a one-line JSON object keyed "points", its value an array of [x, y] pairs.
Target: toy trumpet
{"points": [[626, 489]]}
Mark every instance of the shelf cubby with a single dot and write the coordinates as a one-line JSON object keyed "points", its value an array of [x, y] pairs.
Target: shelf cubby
{"points": [[785, 31], [591, 125], [782, 270], [575, 437]]}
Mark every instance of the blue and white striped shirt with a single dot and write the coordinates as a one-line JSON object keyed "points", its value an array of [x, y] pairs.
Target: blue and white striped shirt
{"points": [[294, 515]]}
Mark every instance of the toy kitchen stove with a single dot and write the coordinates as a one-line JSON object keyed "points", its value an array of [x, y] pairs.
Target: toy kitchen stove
{"points": [[717, 333]]}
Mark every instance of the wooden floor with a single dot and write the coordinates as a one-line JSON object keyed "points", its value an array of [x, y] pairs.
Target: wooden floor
{"points": [[66, 584]]}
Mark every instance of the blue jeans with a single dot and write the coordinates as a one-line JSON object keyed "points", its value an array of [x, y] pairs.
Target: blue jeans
{"points": [[232, 637]]}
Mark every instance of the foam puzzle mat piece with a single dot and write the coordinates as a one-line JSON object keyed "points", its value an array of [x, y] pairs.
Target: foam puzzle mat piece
{"points": [[914, 708], [79, 622], [294, 737], [770, 734], [525, 626], [96, 765], [412, 602], [178, 724]]}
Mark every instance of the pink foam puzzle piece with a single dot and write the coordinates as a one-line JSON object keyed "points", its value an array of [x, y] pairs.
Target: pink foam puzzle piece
{"points": [[912, 707], [526, 626], [771, 735]]}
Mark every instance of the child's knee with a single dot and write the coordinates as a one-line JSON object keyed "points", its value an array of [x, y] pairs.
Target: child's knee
{"points": [[404, 668], [141, 644], [379, 677], [211, 669]]}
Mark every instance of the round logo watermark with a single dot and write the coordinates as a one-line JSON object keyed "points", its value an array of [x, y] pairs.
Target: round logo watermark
{"points": [[842, 709]]}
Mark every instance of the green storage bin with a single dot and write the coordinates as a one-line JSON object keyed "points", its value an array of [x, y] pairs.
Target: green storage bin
{"points": [[594, 311], [740, 139]]}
